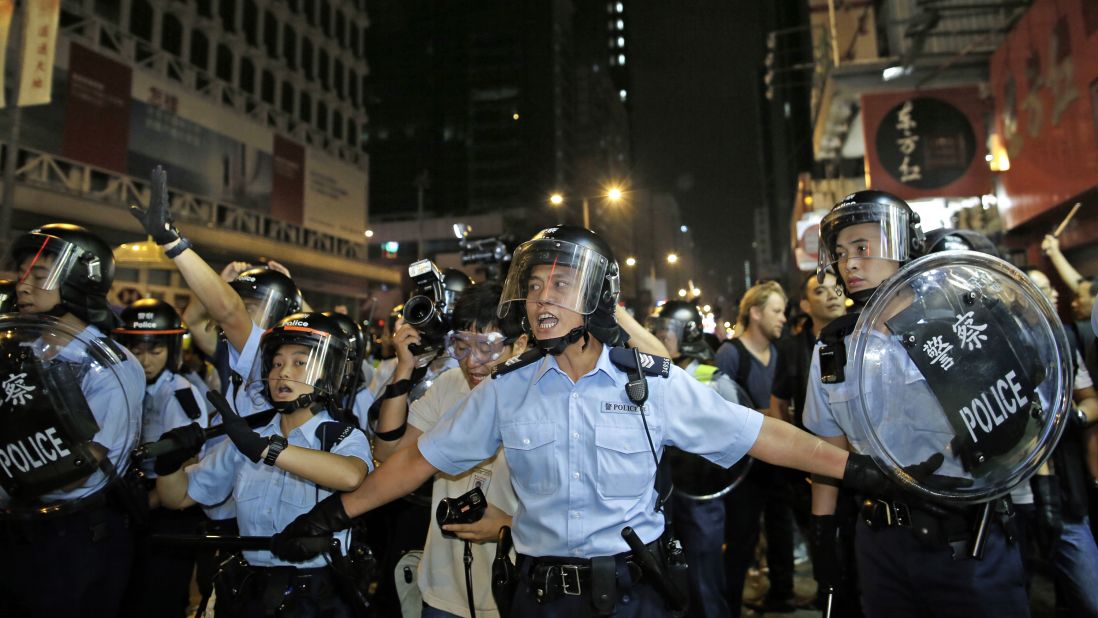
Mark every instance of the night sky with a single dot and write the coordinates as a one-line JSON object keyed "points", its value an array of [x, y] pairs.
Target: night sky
{"points": [[696, 124]]}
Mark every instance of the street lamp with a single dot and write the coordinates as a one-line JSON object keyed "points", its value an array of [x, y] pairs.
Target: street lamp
{"points": [[682, 293], [672, 258], [612, 194], [630, 261]]}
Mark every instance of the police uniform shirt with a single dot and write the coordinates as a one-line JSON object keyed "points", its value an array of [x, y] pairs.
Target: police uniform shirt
{"points": [[361, 407], [268, 498], [896, 398], [579, 457], [441, 570], [248, 397], [115, 410], [162, 411]]}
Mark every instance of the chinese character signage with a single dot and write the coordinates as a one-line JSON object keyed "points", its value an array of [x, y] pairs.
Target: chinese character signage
{"points": [[928, 143], [39, 45], [1044, 79]]}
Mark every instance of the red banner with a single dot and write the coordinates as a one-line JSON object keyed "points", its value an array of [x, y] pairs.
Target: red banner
{"points": [[1044, 78], [926, 143], [97, 114], [288, 187]]}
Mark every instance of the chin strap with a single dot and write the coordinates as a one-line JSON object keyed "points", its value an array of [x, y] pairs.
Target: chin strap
{"points": [[308, 400], [861, 297], [557, 345]]}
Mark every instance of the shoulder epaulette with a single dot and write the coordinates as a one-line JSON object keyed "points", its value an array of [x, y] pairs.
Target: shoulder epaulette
{"points": [[185, 397], [839, 328], [528, 357], [652, 365]]}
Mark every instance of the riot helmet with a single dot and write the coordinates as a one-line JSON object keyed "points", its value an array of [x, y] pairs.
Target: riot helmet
{"points": [[681, 321], [7, 296], [896, 236], [949, 239], [356, 348], [72, 260], [303, 358], [582, 277], [454, 282], [152, 322], [268, 294]]}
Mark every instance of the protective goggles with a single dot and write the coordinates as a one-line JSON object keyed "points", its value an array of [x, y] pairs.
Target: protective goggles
{"points": [[485, 347]]}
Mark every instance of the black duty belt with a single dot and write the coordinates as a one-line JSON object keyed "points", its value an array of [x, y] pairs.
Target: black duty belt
{"points": [[933, 525], [552, 577]]}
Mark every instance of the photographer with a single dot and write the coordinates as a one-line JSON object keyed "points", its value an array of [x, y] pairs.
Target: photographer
{"points": [[479, 342]]}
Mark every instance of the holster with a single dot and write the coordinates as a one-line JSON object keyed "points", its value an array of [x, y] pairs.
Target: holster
{"points": [[505, 577]]}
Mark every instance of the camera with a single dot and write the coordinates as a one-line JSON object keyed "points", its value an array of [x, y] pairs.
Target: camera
{"points": [[492, 253], [464, 509], [427, 310]]}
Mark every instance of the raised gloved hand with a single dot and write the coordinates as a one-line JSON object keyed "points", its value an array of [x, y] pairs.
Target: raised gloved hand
{"points": [[1050, 523], [294, 543], [825, 551], [605, 328], [247, 441], [189, 440], [157, 218]]}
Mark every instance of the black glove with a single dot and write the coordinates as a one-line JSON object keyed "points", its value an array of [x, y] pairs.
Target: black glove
{"points": [[157, 218], [328, 516], [825, 551], [862, 474], [1050, 523], [247, 441], [188, 439], [604, 327]]}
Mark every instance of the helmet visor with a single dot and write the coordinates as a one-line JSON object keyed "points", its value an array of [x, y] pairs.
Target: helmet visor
{"points": [[483, 347], [665, 329], [297, 360], [265, 306], [554, 272], [863, 231], [47, 263]]}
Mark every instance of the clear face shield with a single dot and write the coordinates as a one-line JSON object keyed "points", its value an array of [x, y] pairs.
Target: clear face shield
{"points": [[554, 272], [668, 331], [265, 306], [297, 361], [863, 231], [52, 261], [482, 347]]}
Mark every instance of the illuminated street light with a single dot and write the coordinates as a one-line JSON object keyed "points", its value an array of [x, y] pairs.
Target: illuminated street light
{"points": [[682, 292], [369, 233], [556, 199], [707, 308], [697, 292], [630, 261], [614, 194], [672, 258]]}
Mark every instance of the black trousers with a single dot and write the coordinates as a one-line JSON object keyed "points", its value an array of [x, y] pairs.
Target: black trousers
{"points": [[766, 492], [160, 582], [74, 566]]}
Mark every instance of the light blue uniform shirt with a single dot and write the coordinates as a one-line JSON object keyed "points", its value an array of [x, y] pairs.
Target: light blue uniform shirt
{"points": [[268, 498], [117, 411], [162, 411], [363, 400], [579, 457]]}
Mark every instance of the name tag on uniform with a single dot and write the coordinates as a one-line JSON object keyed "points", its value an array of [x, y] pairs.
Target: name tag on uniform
{"points": [[618, 407]]}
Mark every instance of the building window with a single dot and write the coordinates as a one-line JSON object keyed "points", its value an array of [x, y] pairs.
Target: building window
{"points": [[322, 116], [341, 29], [352, 85], [171, 35], [141, 20], [224, 63], [288, 96], [307, 57], [620, 24], [352, 132], [621, 41], [309, 8], [326, 18], [205, 8], [337, 77], [268, 87], [305, 110], [289, 46], [226, 9], [621, 60], [270, 34], [337, 124], [200, 50], [623, 95], [247, 75], [353, 43], [322, 67], [251, 22], [619, 7]]}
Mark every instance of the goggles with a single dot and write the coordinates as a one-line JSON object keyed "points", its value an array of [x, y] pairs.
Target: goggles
{"points": [[486, 347]]}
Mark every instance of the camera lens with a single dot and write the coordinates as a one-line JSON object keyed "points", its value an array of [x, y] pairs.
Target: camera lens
{"points": [[418, 310]]}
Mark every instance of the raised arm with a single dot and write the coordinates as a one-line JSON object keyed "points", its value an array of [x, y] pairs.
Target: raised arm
{"points": [[394, 410], [639, 337]]}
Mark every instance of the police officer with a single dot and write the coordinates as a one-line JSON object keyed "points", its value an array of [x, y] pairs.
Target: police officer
{"points": [[354, 398], [577, 443], [71, 555], [698, 523], [152, 330], [906, 566], [281, 470]]}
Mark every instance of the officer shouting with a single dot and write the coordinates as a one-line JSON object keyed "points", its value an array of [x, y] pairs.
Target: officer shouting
{"points": [[582, 449]]}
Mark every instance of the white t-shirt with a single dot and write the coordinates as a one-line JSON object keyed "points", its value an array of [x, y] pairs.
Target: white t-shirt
{"points": [[441, 571]]}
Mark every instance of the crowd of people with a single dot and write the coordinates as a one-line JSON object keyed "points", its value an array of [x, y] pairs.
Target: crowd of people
{"points": [[549, 454]]}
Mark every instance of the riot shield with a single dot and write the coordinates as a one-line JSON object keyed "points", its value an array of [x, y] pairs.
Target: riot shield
{"points": [[67, 424], [958, 354], [698, 478]]}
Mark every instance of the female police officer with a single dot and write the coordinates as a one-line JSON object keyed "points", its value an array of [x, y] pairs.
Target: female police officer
{"points": [[904, 569], [282, 470], [70, 555]]}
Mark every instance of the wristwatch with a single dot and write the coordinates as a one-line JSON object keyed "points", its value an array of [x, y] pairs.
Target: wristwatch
{"points": [[275, 446]]}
